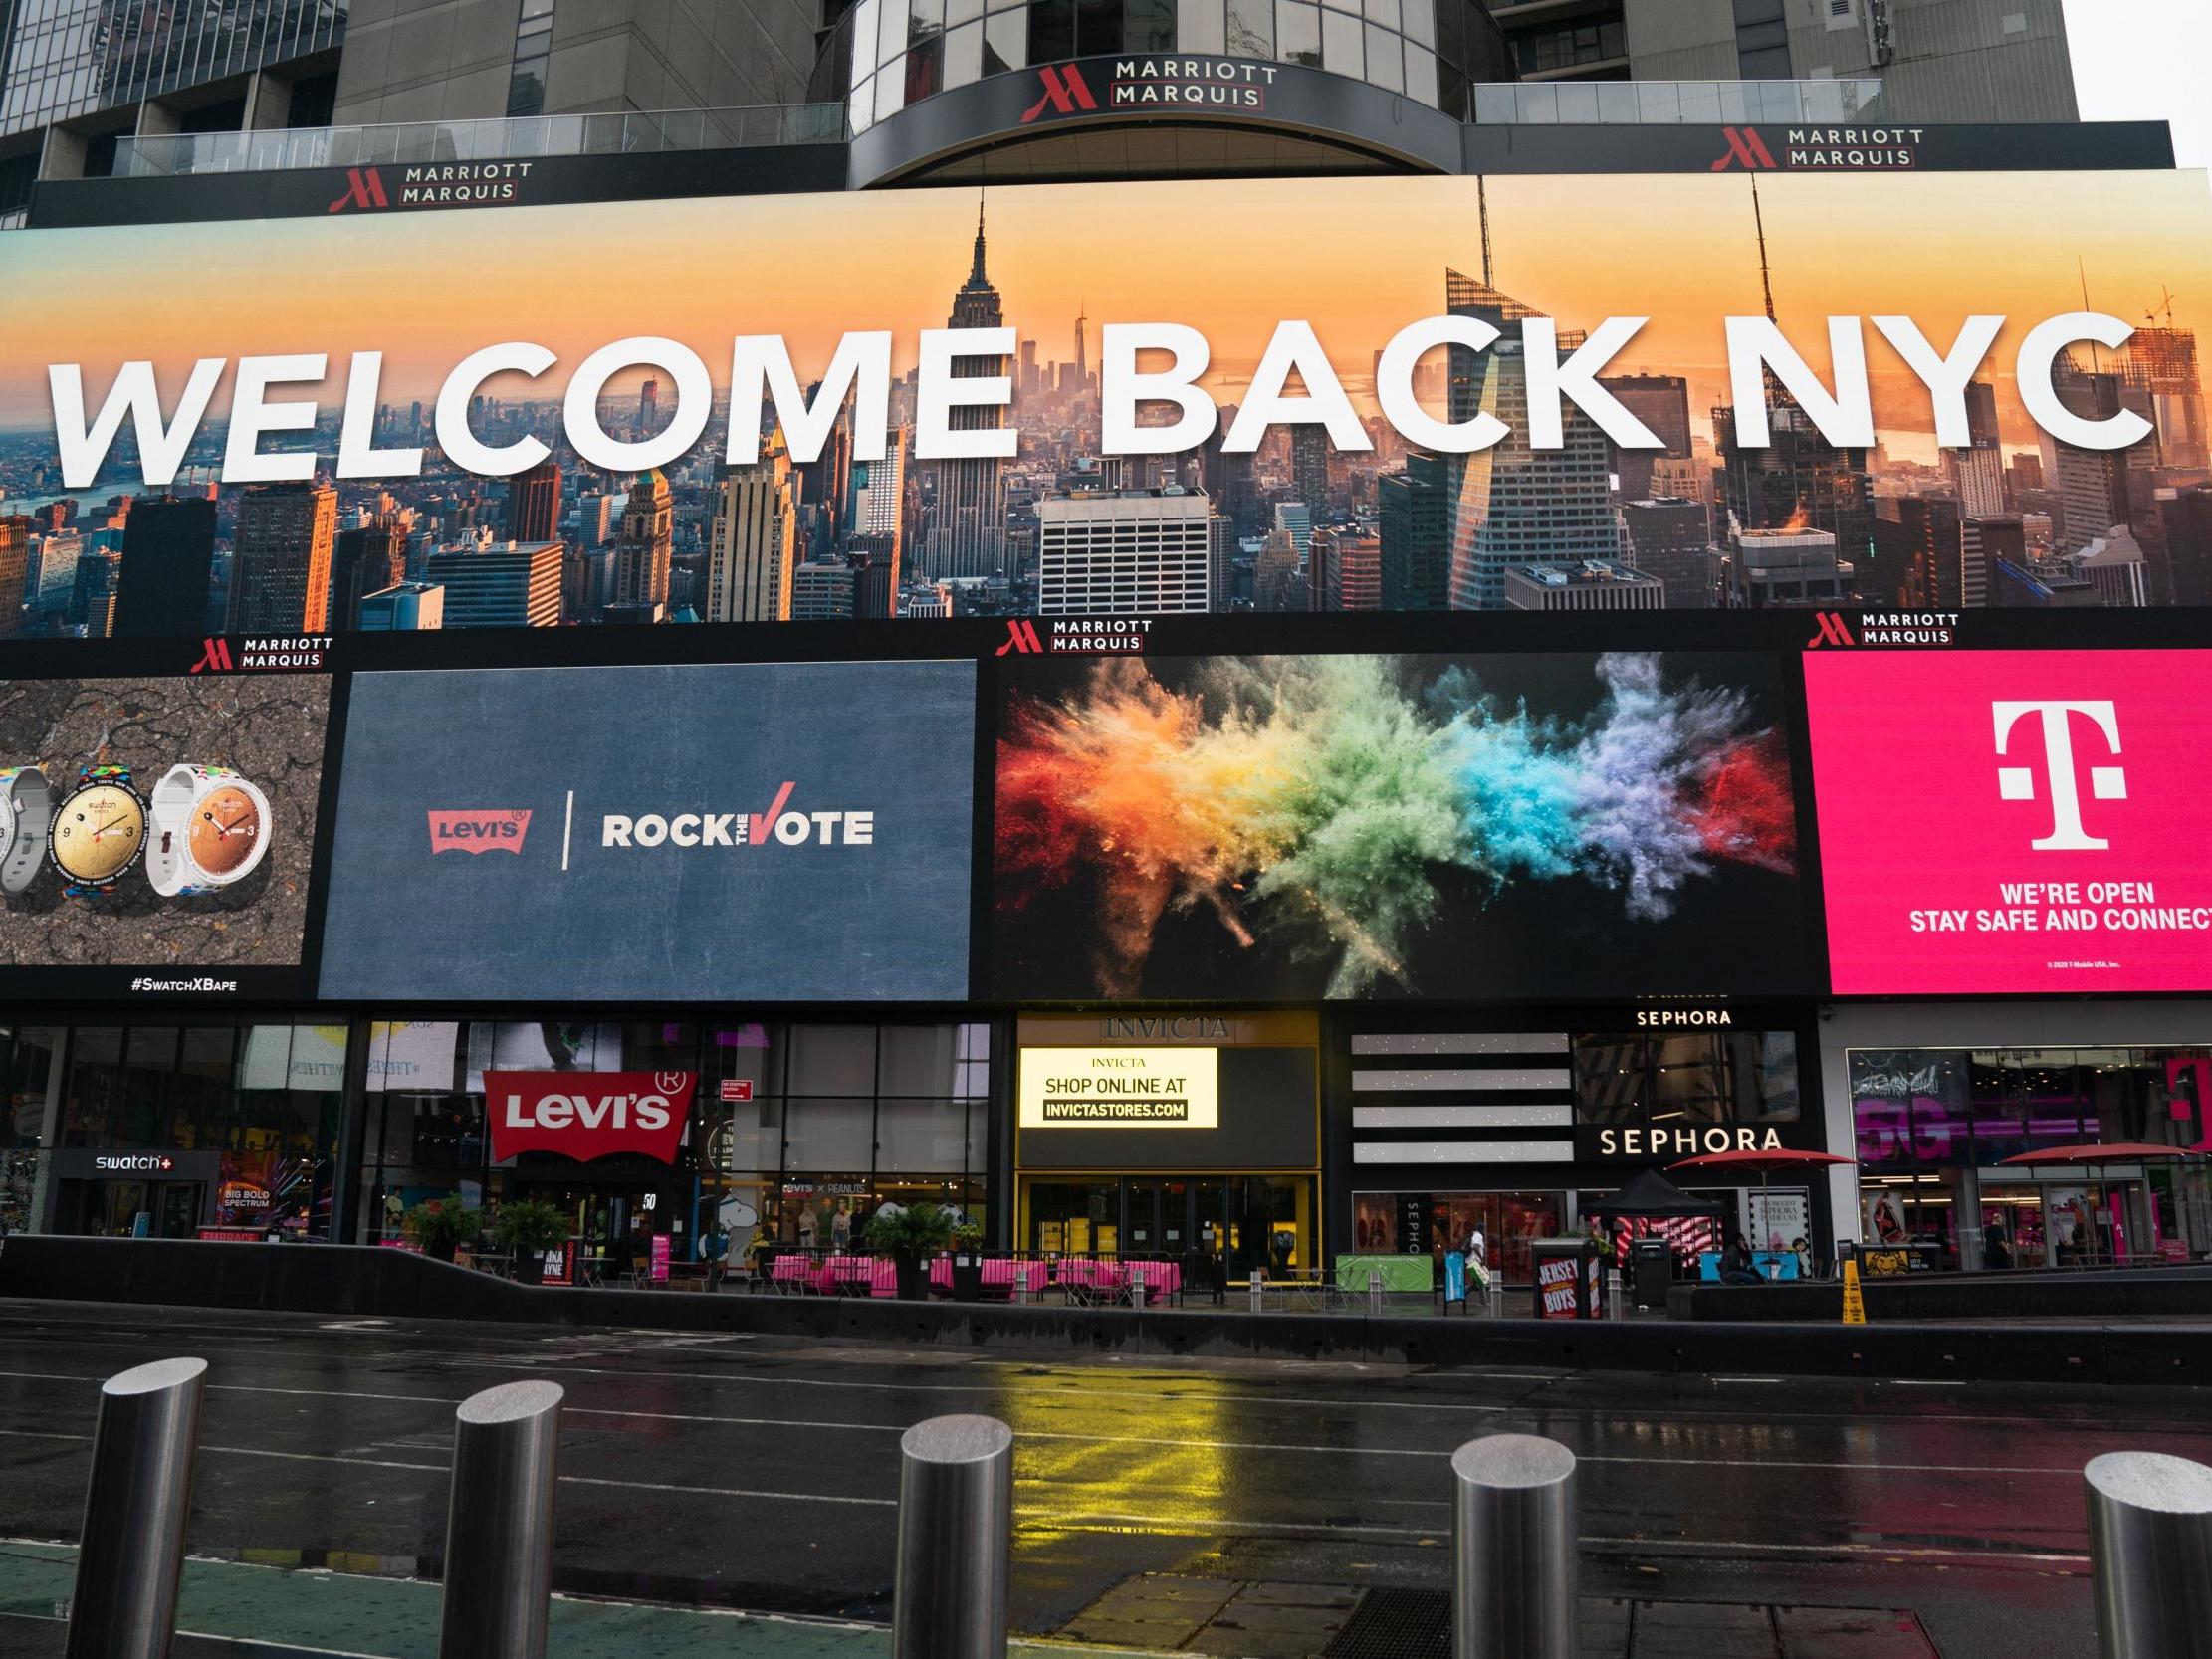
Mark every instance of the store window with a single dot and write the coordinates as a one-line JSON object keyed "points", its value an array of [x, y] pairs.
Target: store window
{"points": [[27, 1055], [1687, 1080], [798, 1131], [1934, 1129], [1432, 1223]]}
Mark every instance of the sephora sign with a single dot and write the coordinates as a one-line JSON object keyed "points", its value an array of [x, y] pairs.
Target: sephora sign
{"points": [[588, 1115]]}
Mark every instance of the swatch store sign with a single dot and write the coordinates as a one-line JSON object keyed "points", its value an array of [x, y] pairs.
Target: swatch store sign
{"points": [[588, 1115], [2017, 821]]}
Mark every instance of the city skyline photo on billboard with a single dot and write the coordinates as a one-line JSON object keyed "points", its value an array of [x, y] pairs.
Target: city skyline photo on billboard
{"points": [[1502, 827], [763, 831], [2013, 821], [166, 826], [1676, 392]]}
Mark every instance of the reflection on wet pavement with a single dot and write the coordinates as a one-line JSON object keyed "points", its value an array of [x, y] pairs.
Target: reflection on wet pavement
{"points": [[761, 1474]]}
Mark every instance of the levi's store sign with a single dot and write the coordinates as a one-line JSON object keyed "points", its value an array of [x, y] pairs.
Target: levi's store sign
{"points": [[588, 1115], [2024, 821]]}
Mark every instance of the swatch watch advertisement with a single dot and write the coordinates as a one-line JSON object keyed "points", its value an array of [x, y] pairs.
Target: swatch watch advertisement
{"points": [[772, 831], [157, 835]]}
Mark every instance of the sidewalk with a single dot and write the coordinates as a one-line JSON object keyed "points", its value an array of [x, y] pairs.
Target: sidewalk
{"points": [[335, 1614]]}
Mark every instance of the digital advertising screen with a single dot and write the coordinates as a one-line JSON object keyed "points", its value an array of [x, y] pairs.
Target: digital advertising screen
{"points": [[2013, 821], [351, 371], [1495, 827], [771, 831], [157, 835]]}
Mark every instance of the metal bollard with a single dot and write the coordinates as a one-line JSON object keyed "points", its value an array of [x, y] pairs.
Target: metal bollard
{"points": [[2150, 1554], [135, 1508], [1259, 1290], [1020, 1291], [1513, 1519], [1374, 1294], [955, 1519], [498, 1523]]}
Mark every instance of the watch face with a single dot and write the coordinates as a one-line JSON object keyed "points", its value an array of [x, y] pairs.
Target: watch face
{"points": [[226, 828], [99, 832]]}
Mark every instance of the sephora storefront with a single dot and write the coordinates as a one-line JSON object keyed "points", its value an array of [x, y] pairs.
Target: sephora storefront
{"points": [[1441, 1124]]}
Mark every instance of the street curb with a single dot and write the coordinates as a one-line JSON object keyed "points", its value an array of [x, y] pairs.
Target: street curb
{"points": [[291, 1608], [361, 1282]]}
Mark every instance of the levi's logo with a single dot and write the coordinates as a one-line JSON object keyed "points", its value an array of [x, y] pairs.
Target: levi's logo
{"points": [[1065, 93], [364, 187], [499, 829], [588, 1115]]}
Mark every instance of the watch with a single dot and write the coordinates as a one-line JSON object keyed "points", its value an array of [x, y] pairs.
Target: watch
{"points": [[210, 828], [100, 831], [26, 818]]}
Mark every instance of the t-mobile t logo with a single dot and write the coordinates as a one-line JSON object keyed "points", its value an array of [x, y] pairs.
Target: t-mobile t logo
{"points": [[2018, 783]]}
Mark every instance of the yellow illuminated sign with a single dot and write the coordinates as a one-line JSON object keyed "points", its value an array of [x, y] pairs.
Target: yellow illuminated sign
{"points": [[1120, 1088]]}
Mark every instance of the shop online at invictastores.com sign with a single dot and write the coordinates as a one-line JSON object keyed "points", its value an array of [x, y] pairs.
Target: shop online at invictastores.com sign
{"points": [[1113, 1087]]}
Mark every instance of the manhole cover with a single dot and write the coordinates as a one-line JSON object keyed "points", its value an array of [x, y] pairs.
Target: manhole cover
{"points": [[1396, 1624]]}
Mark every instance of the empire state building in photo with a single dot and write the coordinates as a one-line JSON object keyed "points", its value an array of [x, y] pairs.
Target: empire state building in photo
{"points": [[968, 538]]}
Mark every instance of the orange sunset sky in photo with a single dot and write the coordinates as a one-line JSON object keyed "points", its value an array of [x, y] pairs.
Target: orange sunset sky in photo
{"points": [[1358, 258]]}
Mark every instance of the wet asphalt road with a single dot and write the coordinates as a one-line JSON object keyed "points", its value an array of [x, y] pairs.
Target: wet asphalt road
{"points": [[761, 1473]]}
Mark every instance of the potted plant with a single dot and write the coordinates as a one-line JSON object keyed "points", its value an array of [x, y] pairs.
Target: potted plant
{"points": [[439, 1225], [911, 1237], [968, 1262], [527, 1228]]}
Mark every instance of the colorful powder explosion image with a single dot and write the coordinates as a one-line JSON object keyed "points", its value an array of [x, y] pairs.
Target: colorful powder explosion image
{"points": [[1498, 828]]}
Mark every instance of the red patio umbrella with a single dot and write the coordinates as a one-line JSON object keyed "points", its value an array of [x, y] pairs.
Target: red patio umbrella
{"points": [[2097, 1151], [1765, 1161]]}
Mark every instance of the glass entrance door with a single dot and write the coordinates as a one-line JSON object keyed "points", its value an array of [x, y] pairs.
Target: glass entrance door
{"points": [[1150, 1203], [178, 1213]]}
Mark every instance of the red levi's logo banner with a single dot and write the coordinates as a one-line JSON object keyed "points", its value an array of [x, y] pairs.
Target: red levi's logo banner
{"points": [[588, 1115]]}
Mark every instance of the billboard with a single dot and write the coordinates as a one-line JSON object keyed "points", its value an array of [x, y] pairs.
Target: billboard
{"points": [[1503, 827], [164, 826], [772, 831], [1622, 342], [2013, 821]]}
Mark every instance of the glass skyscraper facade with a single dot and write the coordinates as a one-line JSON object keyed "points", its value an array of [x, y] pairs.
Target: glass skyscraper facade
{"points": [[70, 58]]}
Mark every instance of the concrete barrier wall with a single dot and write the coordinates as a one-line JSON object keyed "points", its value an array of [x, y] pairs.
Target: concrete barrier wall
{"points": [[2145, 1293], [393, 1284]]}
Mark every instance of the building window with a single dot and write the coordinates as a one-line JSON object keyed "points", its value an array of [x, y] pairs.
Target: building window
{"points": [[526, 81]]}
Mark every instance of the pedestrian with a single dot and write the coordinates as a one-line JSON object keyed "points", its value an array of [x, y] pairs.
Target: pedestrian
{"points": [[714, 1250], [1736, 1264], [1478, 1262], [1996, 1252]]}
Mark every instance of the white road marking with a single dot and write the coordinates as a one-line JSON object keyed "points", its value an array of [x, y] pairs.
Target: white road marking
{"points": [[1160, 1442], [447, 1468]]}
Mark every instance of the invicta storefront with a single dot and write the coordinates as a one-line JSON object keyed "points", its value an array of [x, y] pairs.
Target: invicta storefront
{"points": [[1193, 1139]]}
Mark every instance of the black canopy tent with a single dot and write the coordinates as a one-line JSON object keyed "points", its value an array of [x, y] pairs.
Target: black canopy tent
{"points": [[1653, 1195]]}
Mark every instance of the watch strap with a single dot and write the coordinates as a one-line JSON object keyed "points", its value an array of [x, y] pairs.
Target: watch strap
{"points": [[27, 801], [168, 857]]}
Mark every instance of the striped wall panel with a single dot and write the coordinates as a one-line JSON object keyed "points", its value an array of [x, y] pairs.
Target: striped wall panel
{"points": [[1464, 1099]]}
